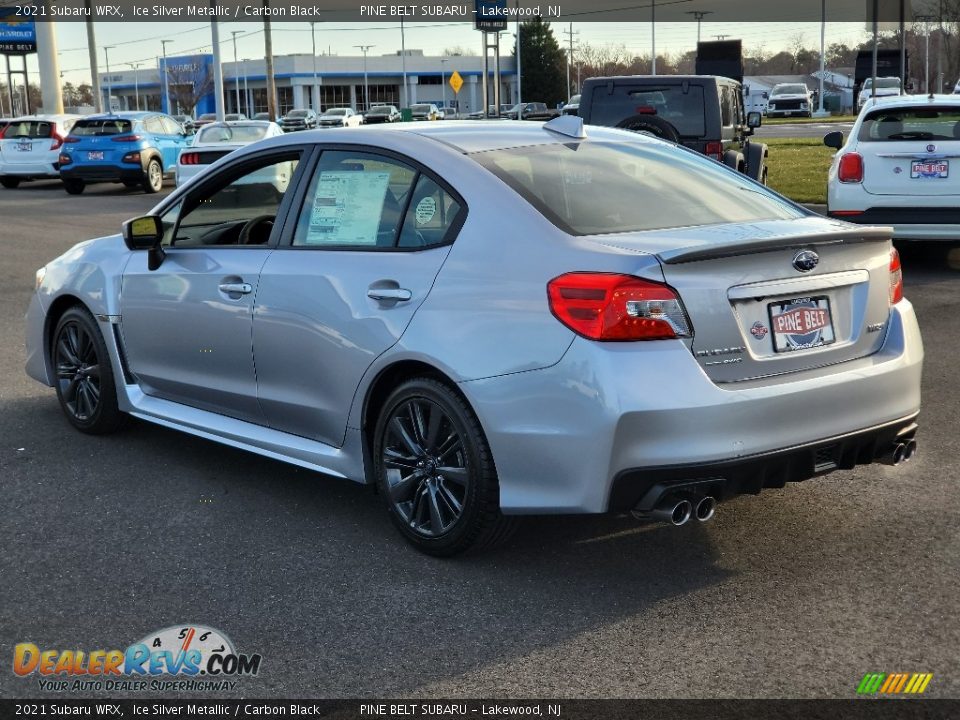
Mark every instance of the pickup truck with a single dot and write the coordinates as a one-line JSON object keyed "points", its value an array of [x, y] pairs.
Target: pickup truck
{"points": [[531, 111]]}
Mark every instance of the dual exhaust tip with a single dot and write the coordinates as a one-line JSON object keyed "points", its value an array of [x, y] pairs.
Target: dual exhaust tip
{"points": [[678, 510], [900, 453]]}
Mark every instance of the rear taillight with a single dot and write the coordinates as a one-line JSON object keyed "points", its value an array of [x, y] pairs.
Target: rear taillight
{"points": [[64, 159], [850, 169], [715, 150], [131, 157], [71, 139], [56, 141], [896, 277], [608, 306], [190, 158], [127, 138]]}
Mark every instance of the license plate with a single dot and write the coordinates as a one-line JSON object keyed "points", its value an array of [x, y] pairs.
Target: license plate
{"points": [[929, 170], [801, 323], [24, 146], [95, 155]]}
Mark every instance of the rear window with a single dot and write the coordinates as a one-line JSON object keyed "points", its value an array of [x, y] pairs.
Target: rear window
{"points": [[28, 129], [107, 126], [926, 123], [234, 134], [588, 188], [882, 83], [683, 110]]}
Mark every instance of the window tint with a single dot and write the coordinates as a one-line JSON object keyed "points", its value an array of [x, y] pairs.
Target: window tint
{"points": [[604, 187], [112, 126], [926, 123], [218, 215], [726, 113], [354, 200], [29, 129], [231, 134], [683, 110], [430, 214]]}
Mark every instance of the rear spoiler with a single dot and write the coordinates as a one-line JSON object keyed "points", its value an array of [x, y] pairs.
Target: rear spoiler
{"points": [[722, 249]]}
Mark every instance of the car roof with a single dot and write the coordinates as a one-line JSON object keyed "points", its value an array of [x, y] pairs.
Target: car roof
{"points": [[121, 115], [464, 136], [237, 123], [905, 101], [46, 118]]}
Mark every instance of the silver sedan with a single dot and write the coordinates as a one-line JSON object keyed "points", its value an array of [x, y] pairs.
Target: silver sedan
{"points": [[487, 320]]}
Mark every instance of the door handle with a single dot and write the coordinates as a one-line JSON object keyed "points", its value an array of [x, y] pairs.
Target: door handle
{"points": [[395, 294], [241, 288]]}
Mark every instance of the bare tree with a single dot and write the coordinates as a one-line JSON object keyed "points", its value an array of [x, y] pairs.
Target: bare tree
{"points": [[458, 51], [189, 82]]}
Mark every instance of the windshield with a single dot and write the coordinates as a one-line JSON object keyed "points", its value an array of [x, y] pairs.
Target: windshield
{"points": [[111, 126], [336, 111], [882, 83], [234, 134], [789, 90], [683, 110], [380, 110], [574, 100], [926, 123], [587, 188], [421, 108], [297, 113], [208, 116]]}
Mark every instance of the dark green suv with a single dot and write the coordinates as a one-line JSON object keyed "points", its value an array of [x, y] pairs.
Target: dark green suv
{"points": [[702, 112]]}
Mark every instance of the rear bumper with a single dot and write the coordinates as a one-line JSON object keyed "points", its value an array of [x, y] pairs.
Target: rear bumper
{"points": [[566, 436], [30, 170], [103, 173], [910, 223]]}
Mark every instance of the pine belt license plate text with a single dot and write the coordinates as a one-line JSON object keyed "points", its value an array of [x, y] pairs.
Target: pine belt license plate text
{"points": [[95, 155], [930, 170], [801, 323]]}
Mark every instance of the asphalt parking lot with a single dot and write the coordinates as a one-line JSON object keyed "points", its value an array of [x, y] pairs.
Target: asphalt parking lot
{"points": [[795, 593]]}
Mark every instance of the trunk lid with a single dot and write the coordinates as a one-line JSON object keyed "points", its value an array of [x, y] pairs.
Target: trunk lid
{"points": [[911, 167], [754, 314]]}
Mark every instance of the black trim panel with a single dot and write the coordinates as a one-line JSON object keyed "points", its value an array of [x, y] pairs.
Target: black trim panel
{"points": [[728, 478], [903, 216]]}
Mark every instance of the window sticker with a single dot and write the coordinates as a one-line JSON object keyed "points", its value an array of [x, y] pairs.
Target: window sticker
{"points": [[347, 207], [426, 209]]}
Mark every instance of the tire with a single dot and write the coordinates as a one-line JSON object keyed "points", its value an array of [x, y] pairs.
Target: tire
{"points": [[658, 127], [425, 436], [153, 177], [84, 377], [74, 187], [10, 183]]}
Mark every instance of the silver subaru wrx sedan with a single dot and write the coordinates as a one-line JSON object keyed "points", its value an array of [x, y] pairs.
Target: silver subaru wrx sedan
{"points": [[487, 320]]}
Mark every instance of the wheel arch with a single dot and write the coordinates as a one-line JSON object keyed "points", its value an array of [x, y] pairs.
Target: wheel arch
{"points": [[57, 308], [386, 380]]}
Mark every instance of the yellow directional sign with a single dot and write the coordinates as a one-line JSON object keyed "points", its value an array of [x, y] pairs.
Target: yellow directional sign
{"points": [[456, 82]]}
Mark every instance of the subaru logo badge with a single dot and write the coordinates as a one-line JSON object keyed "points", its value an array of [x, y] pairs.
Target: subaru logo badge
{"points": [[931, 147], [806, 260]]}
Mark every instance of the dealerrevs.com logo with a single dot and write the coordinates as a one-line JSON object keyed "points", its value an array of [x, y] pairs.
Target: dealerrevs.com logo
{"points": [[178, 658]]}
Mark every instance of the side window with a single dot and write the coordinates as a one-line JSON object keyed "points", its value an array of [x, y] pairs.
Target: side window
{"points": [[431, 214], [238, 211], [726, 116], [154, 126], [170, 126], [355, 199]]}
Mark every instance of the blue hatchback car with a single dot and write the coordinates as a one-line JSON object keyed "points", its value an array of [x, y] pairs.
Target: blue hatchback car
{"points": [[135, 148]]}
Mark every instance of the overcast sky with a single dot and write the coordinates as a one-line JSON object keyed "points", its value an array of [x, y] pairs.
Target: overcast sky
{"points": [[140, 42]]}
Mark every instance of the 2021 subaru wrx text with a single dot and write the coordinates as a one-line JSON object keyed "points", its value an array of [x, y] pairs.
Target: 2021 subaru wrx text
{"points": [[490, 320]]}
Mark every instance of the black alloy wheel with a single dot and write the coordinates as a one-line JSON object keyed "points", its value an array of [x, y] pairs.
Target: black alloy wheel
{"points": [[84, 378], [435, 470]]}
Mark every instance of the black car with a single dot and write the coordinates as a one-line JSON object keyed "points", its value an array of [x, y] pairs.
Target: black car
{"points": [[298, 120], [382, 114], [530, 111], [702, 112]]}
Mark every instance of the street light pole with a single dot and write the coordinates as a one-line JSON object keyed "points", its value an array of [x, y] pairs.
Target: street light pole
{"points": [[166, 79], [236, 74], [366, 88], [106, 57], [698, 15], [315, 90], [443, 80], [246, 92], [136, 83]]}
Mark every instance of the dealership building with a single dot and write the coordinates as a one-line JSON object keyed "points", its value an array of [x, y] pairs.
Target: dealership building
{"points": [[305, 81]]}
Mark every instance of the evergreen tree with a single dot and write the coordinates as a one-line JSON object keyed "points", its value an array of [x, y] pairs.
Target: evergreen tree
{"points": [[543, 65]]}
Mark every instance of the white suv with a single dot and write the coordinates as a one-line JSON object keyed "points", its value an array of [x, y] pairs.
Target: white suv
{"points": [[900, 167], [30, 148], [886, 87]]}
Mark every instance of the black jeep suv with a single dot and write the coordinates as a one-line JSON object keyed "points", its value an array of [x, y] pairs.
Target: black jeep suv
{"points": [[702, 112]]}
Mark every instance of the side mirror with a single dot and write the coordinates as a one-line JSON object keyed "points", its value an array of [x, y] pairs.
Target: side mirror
{"points": [[754, 119], [833, 140], [142, 233]]}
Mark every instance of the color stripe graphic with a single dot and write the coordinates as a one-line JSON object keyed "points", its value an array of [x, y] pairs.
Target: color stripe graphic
{"points": [[894, 683]]}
